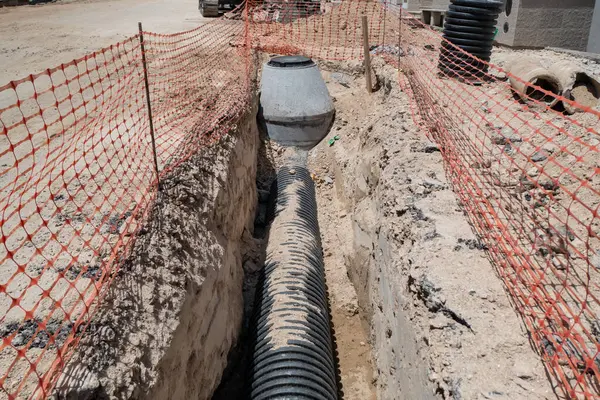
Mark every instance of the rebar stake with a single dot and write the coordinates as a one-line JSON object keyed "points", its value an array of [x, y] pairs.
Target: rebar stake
{"points": [[148, 103]]}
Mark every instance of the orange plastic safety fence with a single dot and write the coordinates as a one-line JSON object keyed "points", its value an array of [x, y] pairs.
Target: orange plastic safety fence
{"points": [[78, 178], [527, 175], [77, 172], [329, 31], [200, 83], [529, 179]]}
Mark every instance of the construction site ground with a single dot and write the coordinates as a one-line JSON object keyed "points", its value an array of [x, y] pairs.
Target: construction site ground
{"points": [[382, 185], [37, 37], [386, 208]]}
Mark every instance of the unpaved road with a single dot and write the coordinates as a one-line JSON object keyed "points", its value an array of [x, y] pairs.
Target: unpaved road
{"points": [[33, 38]]}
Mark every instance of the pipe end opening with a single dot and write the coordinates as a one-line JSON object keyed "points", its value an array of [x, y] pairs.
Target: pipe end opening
{"points": [[546, 83], [585, 91]]}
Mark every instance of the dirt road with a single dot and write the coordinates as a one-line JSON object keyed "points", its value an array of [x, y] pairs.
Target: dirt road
{"points": [[33, 38]]}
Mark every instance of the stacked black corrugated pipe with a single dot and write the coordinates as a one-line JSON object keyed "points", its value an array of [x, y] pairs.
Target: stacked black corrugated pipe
{"points": [[293, 350], [470, 25]]}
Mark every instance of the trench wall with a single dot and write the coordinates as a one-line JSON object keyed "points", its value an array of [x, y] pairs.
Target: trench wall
{"points": [[79, 176], [175, 310], [441, 325], [373, 258]]}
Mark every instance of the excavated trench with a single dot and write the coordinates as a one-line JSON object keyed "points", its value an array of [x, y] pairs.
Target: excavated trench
{"points": [[347, 260], [396, 248], [301, 301]]}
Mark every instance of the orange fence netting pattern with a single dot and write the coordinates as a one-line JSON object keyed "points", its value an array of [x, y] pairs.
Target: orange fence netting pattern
{"points": [[78, 178], [78, 172], [329, 31], [527, 176]]}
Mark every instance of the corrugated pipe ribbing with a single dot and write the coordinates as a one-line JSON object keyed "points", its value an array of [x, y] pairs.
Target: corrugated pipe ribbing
{"points": [[293, 353]]}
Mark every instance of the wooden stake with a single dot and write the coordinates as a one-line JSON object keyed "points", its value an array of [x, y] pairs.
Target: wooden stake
{"points": [[365, 29], [399, 36], [385, 7]]}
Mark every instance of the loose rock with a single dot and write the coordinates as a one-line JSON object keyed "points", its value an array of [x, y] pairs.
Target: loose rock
{"points": [[439, 322], [539, 156], [533, 172], [434, 184], [522, 370], [430, 147], [506, 136]]}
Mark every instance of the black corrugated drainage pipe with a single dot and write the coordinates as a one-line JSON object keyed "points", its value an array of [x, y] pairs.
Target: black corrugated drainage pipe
{"points": [[293, 350], [470, 25]]}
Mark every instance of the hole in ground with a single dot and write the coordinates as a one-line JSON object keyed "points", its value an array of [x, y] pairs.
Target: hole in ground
{"points": [[234, 381], [395, 275]]}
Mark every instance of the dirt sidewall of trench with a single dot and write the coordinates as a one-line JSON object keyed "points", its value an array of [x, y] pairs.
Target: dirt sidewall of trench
{"points": [[175, 309], [441, 324]]}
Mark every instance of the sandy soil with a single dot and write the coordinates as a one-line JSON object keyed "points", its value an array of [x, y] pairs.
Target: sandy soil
{"points": [[335, 33], [43, 37], [33, 38], [351, 334], [175, 309], [536, 168], [408, 248], [473, 344]]}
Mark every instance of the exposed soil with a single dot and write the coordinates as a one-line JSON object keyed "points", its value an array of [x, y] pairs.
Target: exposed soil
{"points": [[417, 308], [585, 94], [46, 35], [351, 332], [333, 33], [408, 250], [537, 169], [174, 311], [397, 249]]}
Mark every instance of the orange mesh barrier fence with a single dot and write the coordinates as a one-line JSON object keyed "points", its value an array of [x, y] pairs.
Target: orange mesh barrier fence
{"points": [[78, 172], [527, 176], [78, 178], [200, 83], [329, 31]]}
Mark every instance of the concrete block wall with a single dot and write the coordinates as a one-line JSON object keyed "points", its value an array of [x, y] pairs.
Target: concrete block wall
{"points": [[507, 23], [593, 45], [543, 23], [417, 5], [435, 4], [413, 5]]}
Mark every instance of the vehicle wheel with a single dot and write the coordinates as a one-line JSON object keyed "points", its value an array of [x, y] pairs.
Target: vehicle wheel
{"points": [[208, 8]]}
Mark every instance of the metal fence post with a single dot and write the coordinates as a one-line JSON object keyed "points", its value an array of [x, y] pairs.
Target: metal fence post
{"points": [[149, 103], [399, 34]]}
